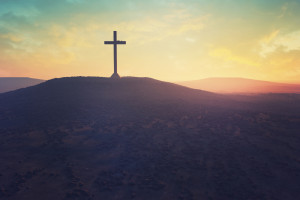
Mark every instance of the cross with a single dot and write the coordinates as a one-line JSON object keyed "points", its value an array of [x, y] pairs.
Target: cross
{"points": [[115, 43]]}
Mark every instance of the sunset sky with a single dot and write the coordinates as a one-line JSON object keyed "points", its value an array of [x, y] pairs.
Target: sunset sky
{"points": [[168, 40]]}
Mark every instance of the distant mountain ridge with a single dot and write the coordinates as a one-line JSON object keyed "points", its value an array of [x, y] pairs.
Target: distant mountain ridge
{"points": [[241, 85], [13, 83]]}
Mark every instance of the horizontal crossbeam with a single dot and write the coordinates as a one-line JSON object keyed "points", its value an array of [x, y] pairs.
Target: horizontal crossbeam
{"points": [[114, 42]]}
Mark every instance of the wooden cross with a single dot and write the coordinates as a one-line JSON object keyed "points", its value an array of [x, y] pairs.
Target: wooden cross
{"points": [[115, 43]]}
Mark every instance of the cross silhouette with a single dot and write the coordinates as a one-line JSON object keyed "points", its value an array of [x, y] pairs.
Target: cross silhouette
{"points": [[115, 43]]}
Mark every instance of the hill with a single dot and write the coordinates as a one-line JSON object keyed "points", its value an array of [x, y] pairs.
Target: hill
{"points": [[14, 83], [241, 85], [139, 138]]}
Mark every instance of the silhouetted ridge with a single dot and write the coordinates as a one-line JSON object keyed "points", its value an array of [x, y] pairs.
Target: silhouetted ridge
{"points": [[130, 88], [14, 83], [69, 98], [89, 97]]}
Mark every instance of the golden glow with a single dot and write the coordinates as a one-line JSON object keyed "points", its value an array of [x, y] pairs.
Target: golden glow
{"points": [[227, 55]]}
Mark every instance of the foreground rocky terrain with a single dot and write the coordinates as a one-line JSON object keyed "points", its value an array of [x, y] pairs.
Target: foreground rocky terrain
{"points": [[139, 138]]}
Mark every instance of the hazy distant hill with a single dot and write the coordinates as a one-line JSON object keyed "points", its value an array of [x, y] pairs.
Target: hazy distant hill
{"points": [[139, 138], [13, 83], [241, 85]]}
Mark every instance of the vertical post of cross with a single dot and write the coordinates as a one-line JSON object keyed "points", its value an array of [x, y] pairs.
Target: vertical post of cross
{"points": [[115, 53]]}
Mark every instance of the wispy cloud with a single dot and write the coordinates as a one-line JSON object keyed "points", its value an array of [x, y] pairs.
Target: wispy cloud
{"points": [[284, 9], [274, 41], [227, 55]]}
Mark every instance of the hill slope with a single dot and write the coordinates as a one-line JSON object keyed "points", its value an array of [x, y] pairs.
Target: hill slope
{"points": [[80, 95], [139, 138], [14, 83], [241, 85]]}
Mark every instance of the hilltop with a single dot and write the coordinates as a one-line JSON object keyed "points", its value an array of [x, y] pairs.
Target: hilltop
{"points": [[72, 97]]}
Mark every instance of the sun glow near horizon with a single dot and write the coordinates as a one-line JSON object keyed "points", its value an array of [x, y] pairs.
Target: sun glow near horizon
{"points": [[168, 40]]}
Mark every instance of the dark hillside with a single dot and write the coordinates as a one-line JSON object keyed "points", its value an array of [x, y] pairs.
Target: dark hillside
{"points": [[66, 98], [139, 138]]}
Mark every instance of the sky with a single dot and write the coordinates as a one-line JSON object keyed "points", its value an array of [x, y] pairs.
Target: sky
{"points": [[168, 40]]}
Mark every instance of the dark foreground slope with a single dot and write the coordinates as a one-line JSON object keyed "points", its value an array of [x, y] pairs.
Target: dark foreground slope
{"points": [[14, 83], [138, 138]]}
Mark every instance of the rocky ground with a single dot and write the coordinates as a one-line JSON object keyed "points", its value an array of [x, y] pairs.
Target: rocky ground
{"points": [[156, 146]]}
